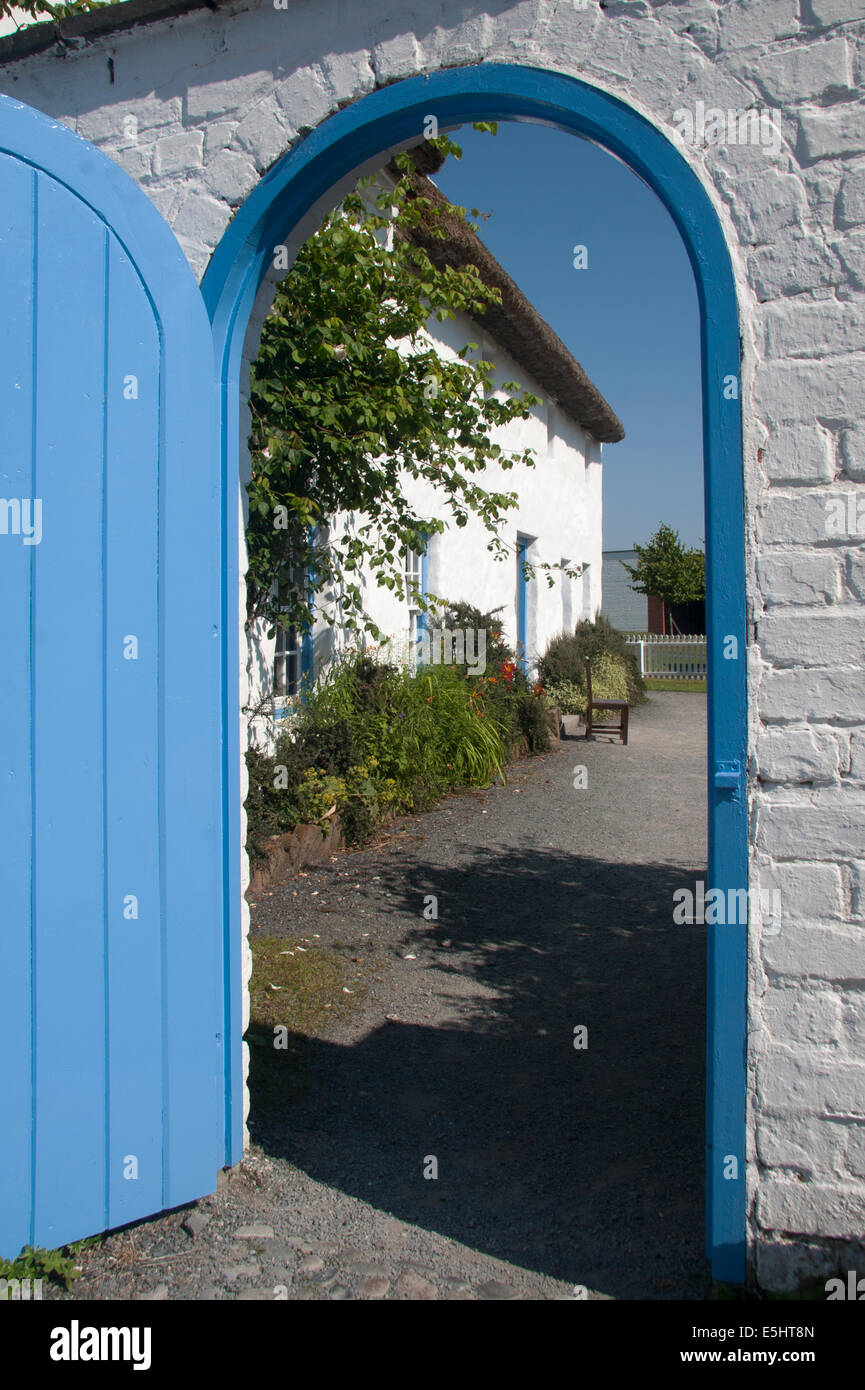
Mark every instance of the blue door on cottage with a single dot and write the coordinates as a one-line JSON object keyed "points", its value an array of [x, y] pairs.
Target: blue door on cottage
{"points": [[112, 1081]]}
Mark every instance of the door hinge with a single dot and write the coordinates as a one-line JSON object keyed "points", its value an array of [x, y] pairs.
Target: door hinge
{"points": [[729, 776]]}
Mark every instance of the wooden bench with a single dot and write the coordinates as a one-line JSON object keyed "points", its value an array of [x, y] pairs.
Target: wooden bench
{"points": [[592, 704]]}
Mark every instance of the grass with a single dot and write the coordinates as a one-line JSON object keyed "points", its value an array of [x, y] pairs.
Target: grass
{"points": [[301, 991], [310, 995], [685, 687]]}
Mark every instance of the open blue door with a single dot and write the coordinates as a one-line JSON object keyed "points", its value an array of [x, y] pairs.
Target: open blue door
{"points": [[111, 875]]}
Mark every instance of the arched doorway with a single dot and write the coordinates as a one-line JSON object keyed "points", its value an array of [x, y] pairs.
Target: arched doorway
{"points": [[282, 210]]}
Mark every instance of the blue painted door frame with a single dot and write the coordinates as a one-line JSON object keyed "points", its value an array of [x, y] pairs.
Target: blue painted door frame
{"points": [[523, 543], [111, 1094], [302, 181]]}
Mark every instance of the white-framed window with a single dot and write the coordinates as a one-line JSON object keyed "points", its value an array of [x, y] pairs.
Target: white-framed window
{"points": [[287, 662], [292, 658]]}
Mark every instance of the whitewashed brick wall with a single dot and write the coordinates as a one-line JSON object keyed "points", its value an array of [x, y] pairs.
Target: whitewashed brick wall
{"points": [[217, 97]]}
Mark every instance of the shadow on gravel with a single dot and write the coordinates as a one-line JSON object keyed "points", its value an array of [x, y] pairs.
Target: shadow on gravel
{"points": [[584, 1165]]}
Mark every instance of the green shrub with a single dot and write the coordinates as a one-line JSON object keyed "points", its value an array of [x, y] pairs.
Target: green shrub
{"points": [[55, 1266], [373, 740], [465, 615], [567, 696], [611, 680], [531, 713], [270, 810], [318, 796], [565, 660]]}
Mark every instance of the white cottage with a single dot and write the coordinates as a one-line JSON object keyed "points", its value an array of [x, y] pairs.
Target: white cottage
{"points": [[557, 521]]}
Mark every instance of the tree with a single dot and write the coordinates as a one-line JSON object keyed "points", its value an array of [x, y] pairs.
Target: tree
{"points": [[41, 10], [669, 571], [342, 417]]}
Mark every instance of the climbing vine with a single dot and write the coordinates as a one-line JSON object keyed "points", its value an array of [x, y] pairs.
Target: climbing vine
{"points": [[344, 419], [42, 10]]}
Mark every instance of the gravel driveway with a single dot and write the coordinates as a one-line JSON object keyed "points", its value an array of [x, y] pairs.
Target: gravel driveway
{"points": [[441, 1136]]}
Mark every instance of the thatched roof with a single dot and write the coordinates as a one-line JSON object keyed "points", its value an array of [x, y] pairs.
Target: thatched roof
{"points": [[514, 323]]}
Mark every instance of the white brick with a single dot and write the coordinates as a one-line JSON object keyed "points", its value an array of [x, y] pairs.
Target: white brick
{"points": [[853, 454], [831, 826], [216, 97], [609, 49], [797, 578], [470, 40], [855, 573], [838, 131], [802, 327], [767, 205], [201, 218], [810, 1208], [150, 113], [831, 638], [349, 72], [134, 160], [815, 952], [853, 1017], [856, 1151], [305, 97], [218, 135], [819, 695], [231, 176], [807, 891], [797, 1019], [744, 24], [799, 454], [795, 261], [177, 154], [787, 1266], [807, 517], [834, 11], [397, 57], [634, 9], [851, 253], [806, 1082], [805, 72], [791, 391], [797, 755], [266, 134], [806, 1143], [851, 198]]}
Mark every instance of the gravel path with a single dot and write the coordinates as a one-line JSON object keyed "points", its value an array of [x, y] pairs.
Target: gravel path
{"points": [[556, 1167]]}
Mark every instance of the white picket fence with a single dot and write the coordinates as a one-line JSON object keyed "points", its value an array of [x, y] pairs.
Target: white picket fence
{"points": [[671, 658]]}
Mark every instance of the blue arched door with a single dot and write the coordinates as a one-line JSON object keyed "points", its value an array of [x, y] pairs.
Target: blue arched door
{"points": [[111, 897], [301, 184]]}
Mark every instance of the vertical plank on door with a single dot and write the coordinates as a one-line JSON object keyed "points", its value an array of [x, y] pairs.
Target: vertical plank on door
{"points": [[16, 693]]}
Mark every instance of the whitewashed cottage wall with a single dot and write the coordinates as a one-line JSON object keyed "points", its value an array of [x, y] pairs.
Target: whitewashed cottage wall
{"points": [[559, 507], [196, 107]]}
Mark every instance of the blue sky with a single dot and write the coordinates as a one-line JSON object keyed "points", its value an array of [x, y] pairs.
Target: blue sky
{"points": [[631, 318]]}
